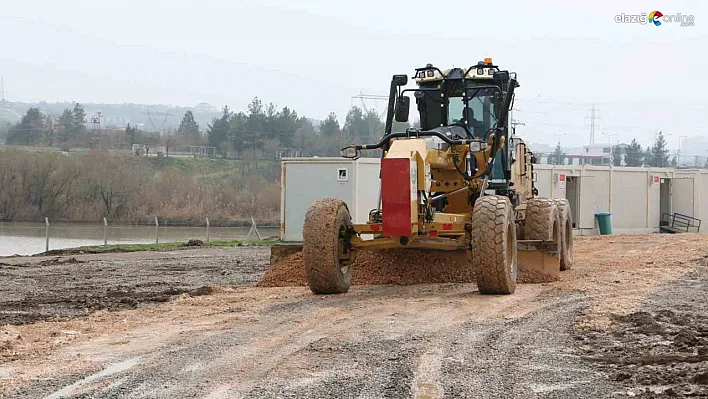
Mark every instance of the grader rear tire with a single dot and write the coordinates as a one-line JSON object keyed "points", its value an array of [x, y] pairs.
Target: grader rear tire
{"points": [[566, 254], [493, 247], [325, 238], [542, 220]]}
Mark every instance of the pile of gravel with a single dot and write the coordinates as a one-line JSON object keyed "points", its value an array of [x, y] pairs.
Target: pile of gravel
{"points": [[393, 266]]}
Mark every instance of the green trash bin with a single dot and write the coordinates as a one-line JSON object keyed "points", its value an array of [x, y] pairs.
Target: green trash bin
{"points": [[604, 221]]}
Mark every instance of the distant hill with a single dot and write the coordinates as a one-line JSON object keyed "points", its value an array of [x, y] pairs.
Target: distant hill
{"points": [[119, 115]]}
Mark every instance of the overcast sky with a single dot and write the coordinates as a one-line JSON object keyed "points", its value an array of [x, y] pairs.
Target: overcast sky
{"points": [[313, 56]]}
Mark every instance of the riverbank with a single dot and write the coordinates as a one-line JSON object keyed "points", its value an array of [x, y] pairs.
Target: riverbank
{"points": [[150, 221], [31, 238], [156, 247]]}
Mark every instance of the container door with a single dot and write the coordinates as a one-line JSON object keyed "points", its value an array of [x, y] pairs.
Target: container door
{"points": [[682, 196]]}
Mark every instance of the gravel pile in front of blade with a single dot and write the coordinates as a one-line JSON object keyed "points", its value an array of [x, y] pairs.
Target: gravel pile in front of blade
{"points": [[395, 266], [535, 277]]}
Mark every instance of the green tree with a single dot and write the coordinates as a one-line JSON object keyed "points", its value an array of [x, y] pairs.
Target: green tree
{"points": [[634, 156], [131, 134], [189, 129], [558, 156], [65, 126], [256, 123], [284, 126], [355, 127], [305, 136], [238, 133], [376, 126], [218, 129], [674, 162], [330, 126], [617, 155], [29, 130], [79, 120], [648, 157], [659, 152]]}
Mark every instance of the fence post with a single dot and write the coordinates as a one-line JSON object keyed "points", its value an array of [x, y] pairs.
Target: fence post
{"points": [[157, 237], [105, 232], [207, 223], [46, 233], [254, 228]]}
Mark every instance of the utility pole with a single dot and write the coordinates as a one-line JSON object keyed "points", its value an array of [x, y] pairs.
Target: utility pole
{"points": [[609, 142], [2, 89], [96, 122], [594, 115]]}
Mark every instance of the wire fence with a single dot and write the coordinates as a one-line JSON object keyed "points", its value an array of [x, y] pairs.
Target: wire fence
{"points": [[135, 233]]}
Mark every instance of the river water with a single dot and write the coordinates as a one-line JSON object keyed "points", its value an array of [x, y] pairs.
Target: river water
{"points": [[29, 238]]}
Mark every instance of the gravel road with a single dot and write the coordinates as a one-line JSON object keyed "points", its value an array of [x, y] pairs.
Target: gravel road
{"points": [[643, 294]]}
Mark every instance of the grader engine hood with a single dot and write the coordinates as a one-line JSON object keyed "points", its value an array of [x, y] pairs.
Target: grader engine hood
{"points": [[403, 174]]}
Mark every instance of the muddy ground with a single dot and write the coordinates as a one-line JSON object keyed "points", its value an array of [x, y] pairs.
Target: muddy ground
{"points": [[59, 287], [630, 320]]}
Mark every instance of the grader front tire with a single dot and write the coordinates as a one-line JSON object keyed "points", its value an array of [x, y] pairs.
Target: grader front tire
{"points": [[493, 247], [326, 255], [566, 229]]}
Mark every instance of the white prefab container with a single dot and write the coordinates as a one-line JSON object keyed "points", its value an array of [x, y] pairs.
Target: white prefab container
{"points": [[304, 180], [637, 197]]}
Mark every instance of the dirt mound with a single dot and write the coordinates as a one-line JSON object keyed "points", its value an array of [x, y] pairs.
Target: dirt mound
{"points": [[393, 266], [402, 267], [535, 277]]}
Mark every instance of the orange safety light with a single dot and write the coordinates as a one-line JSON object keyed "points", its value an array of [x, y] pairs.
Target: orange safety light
{"points": [[487, 60]]}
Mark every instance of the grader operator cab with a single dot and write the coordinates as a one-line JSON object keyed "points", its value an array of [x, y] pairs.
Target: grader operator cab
{"points": [[462, 181]]}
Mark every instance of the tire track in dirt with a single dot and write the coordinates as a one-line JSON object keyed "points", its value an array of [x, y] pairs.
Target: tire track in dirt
{"points": [[434, 341], [308, 345]]}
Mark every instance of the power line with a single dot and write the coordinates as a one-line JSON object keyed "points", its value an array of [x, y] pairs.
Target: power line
{"points": [[375, 97]]}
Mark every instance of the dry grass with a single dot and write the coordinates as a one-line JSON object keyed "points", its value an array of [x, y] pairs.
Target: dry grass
{"points": [[123, 187]]}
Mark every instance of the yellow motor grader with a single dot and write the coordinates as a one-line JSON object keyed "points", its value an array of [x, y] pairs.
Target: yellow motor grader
{"points": [[462, 181]]}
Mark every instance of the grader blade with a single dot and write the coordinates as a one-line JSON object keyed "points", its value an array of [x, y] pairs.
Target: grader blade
{"points": [[538, 257]]}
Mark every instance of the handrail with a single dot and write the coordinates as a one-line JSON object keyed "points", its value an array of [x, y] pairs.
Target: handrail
{"points": [[411, 133]]}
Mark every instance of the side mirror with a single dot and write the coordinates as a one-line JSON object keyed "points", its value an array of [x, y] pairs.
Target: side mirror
{"points": [[400, 80], [350, 152], [403, 107], [501, 79]]}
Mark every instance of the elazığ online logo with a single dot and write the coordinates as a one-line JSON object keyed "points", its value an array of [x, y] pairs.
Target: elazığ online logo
{"points": [[657, 18], [654, 17]]}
